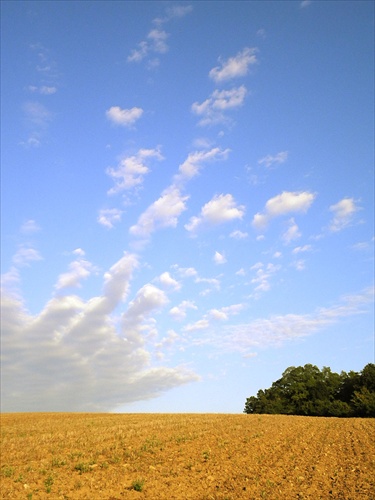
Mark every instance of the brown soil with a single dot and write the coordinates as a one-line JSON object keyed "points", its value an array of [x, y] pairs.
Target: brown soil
{"points": [[185, 456]]}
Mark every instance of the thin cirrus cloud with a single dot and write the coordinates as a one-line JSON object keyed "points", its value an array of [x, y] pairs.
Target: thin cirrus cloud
{"points": [[213, 110], [131, 170], [234, 67], [124, 117], [282, 204], [222, 208], [84, 361], [279, 329]]}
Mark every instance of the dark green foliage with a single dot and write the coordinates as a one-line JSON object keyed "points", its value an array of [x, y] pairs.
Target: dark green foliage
{"points": [[306, 390]]}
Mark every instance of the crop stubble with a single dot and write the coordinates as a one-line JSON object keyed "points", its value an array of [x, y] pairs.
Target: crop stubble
{"points": [[185, 456]]}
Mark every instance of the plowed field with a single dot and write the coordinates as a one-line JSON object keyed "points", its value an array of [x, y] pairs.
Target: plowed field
{"points": [[185, 456]]}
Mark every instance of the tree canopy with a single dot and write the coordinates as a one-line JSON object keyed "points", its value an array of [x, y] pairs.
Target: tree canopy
{"points": [[307, 390]]}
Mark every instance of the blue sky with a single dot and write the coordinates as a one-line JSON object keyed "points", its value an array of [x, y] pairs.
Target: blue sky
{"points": [[187, 200]]}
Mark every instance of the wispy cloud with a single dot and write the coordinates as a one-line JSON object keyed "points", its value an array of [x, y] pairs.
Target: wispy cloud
{"points": [[155, 43], [263, 275], [25, 255], [292, 233], [124, 117], [37, 119], [196, 160], [108, 217], [222, 208], [234, 67], [213, 110], [343, 214], [179, 312], [283, 204], [72, 356], [271, 160], [275, 331], [30, 227]]}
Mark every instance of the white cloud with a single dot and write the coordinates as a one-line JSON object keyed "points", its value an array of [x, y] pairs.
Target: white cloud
{"points": [[282, 204], [155, 43], [269, 160], [124, 117], [164, 212], [148, 298], [276, 330], [195, 161], [201, 324], [222, 208], [131, 170], [43, 89], [185, 272], [71, 357], [343, 213], [166, 280], [179, 312], [25, 255], [30, 227], [109, 216], [304, 248], [224, 313], [263, 276], [37, 120], [174, 12], [305, 3], [238, 235], [219, 258], [234, 67], [213, 109], [292, 233], [78, 270]]}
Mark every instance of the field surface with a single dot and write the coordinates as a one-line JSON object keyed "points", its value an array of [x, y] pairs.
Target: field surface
{"points": [[185, 456]]}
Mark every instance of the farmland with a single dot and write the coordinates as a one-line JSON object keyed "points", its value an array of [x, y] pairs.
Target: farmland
{"points": [[185, 456]]}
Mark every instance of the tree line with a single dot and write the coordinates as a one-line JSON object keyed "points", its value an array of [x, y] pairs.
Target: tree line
{"points": [[307, 390]]}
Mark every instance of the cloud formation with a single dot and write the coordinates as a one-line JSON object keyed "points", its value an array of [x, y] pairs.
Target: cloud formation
{"points": [[131, 170], [123, 117], [282, 204], [72, 357], [164, 212], [234, 67], [271, 160], [213, 110], [222, 208], [343, 213]]}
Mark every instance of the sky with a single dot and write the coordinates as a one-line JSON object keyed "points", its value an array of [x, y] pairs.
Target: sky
{"points": [[187, 200]]}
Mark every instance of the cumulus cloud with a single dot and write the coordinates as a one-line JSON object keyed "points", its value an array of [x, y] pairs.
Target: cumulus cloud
{"points": [[269, 160], [164, 212], [166, 280], [292, 233], [155, 43], [179, 312], [238, 235], [25, 255], [343, 213], [213, 110], [263, 275], [131, 170], [304, 248], [30, 227], [196, 160], [108, 217], [222, 208], [219, 258], [283, 204], [78, 270], [123, 117], [72, 357], [234, 67]]}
